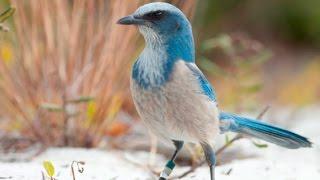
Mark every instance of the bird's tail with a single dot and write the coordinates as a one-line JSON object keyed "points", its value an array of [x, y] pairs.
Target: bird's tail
{"points": [[264, 131]]}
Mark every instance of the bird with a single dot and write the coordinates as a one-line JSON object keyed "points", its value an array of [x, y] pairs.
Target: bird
{"points": [[172, 96]]}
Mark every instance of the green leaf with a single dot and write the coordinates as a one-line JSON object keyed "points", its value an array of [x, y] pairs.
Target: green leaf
{"points": [[211, 67], [223, 41], [6, 14], [262, 57], [226, 138], [52, 107], [81, 99], [259, 145], [48, 166], [91, 111], [254, 88]]}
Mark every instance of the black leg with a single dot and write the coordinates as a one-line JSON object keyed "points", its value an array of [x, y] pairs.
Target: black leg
{"points": [[178, 145], [210, 157], [170, 164]]}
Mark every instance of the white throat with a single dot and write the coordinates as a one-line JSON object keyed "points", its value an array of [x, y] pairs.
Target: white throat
{"points": [[151, 37], [152, 59]]}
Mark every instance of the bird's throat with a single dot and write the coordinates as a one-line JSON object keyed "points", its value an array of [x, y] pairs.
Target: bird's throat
{"points": [[151, 68], [156, 62]]}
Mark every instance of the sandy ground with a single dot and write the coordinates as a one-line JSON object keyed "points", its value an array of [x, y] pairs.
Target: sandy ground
{"points": [[272, 163]]}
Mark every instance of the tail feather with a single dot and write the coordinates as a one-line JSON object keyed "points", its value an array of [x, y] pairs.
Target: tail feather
{"points": [[264, 131]]}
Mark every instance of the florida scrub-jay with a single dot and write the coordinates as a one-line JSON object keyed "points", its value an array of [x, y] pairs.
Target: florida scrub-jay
{"points": [[173, 97]]}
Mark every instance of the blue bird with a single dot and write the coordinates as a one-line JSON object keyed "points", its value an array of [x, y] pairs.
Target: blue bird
{"points": [[173, 97]]}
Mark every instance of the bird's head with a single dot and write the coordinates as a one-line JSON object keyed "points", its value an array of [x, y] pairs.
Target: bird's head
{"points": [[159, 22]]}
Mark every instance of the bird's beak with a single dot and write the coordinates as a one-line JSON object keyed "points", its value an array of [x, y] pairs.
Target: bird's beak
{"points": [[129, 20]]}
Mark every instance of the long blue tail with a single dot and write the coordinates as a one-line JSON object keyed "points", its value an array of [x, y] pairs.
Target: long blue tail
{"points": [[264, 131]]}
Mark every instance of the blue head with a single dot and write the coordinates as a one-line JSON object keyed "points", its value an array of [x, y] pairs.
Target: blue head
{"points": [[168, 37], [163, 24]]}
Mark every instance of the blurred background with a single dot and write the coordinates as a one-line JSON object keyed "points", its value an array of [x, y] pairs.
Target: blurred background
{"points": [[64, 79]]}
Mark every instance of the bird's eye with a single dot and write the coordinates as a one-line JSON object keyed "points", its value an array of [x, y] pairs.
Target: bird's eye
{"points": [[153, 16]]}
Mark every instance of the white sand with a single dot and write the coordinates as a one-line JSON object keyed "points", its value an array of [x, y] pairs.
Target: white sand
{"points": [[272, 163]]}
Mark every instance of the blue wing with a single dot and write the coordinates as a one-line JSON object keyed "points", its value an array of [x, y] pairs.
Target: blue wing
{"points": [[204, 83]]}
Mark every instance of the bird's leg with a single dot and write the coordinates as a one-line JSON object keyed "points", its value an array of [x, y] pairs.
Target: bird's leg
{"points": [[210, 158], [178, 145], [170, 164]]}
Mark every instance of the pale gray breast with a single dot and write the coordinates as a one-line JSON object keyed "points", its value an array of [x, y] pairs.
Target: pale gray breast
{"points": [[178, 110]]}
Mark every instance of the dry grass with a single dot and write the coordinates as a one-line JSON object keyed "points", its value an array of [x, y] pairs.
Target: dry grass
{"points": [[68, 76]]}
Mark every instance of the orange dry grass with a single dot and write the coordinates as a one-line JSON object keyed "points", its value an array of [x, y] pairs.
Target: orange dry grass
{"points": [[63, 51]]}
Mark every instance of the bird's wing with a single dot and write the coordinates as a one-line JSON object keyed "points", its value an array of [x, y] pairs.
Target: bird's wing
{"points": [[204, 83]]}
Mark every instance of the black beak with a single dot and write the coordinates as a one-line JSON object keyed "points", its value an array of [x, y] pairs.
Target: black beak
{"points": [[129, 20]]}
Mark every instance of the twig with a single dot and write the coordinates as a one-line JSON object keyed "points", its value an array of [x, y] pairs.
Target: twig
{"points": [[220, 150], [43, 176], [9, 177], [80, 169], [263, 112], [229, 172]]}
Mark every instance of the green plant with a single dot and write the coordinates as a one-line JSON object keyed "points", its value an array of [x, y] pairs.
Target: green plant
{"points": [[241, 58], [49, 168]]}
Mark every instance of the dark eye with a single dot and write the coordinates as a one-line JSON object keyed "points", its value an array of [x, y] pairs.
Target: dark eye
{"points": [[153, 16]]}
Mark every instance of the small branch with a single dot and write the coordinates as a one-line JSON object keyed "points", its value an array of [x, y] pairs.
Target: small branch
{"points": [[229, 172], [80, 169], [263, 112], [72, 171], [10, 177], [43, 176], [220, 150]]}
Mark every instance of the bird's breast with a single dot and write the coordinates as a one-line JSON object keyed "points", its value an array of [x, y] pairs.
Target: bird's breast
{"points": [[178, 109]]}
